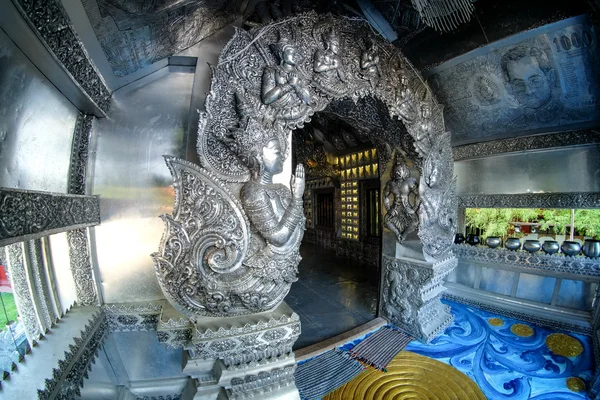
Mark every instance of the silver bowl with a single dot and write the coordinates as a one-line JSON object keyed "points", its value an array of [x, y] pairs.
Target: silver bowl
{"points": [[591, 248], [493, 241], [512, 244], [532, 246], [570, 248], [550, 247]]}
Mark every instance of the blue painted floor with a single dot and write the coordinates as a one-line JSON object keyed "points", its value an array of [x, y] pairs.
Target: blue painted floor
{"points": [[504, 365], [333, 294]]}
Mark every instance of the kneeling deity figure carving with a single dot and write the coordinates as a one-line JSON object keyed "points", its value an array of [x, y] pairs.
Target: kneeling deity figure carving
{"points": [[328, 65], [282, 87], [276, 215], [402, 217]]}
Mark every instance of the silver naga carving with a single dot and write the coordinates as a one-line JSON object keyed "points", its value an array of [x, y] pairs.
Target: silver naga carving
{"points": [[402, 213], [231, 245]]}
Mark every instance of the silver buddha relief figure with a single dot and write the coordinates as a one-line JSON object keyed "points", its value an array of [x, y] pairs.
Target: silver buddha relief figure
{"points": [[282, 86], [330, 77], [276, 214], [402, 217]]}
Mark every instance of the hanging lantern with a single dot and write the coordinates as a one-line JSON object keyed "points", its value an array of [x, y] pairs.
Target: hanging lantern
{"points": [[444, 15]]}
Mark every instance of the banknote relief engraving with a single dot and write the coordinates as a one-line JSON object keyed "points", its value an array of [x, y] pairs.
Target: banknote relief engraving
{"points": [[231, 246], [540, 80]]}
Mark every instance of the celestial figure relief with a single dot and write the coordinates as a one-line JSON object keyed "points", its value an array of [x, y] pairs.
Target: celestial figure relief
{"points": [[401, 217], [330, 77], [369, 62], [282, 87], [276, 214]]}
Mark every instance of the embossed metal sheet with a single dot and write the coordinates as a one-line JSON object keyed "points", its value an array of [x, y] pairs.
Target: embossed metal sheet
{"points": [[148, 118], [538, 81], [496, 280], [36, 125], [560, 170], [576, 294], [145, 358], [535, 287]]}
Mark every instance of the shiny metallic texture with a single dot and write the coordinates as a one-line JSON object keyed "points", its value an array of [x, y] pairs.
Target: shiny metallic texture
{"points": [[148, 118], [591, 248], [493, 241], [531, 172], [550, 247], [570, 248], [36, 125], [512, 244], [532, 246]]}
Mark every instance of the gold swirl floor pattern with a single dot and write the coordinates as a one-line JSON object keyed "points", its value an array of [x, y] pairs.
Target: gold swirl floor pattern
{"points": [[410, 376]]}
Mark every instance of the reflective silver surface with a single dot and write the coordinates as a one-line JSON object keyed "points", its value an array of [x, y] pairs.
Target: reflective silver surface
{"points": [[497, 280], [576, 294], [536, 287], [464, 273], [560, 170], [148, 118], [65, 285], [36, 125], [145, 358]]}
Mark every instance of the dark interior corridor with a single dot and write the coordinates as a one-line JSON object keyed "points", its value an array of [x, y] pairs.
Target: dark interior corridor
{"points": [[333, 294]]}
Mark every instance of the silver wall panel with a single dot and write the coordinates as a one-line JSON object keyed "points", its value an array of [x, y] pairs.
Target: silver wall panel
{"points": [[36, 125], [59, 248], [464, 273], [145, 358], [576, 294], [559, 170], [536, 288], [497, 280], [148, 119]]}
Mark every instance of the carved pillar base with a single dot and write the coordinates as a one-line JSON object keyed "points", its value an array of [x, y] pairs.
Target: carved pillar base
{"points": [[412, 290], [242, 357]]}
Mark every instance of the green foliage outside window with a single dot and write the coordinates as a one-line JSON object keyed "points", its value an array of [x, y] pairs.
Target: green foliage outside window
{"points": [[8, 309], [496, 221]]}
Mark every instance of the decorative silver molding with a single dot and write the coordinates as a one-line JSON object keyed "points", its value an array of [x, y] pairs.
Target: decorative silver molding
{"points": [[540, 321], [523, 259], [37, 280], [132, 318], [52, 25], [528, 143], [79, 154], [411, 296], [530, 200], [81, 267], [261, 384], [17, 272], [28, 214], [67, 378]]}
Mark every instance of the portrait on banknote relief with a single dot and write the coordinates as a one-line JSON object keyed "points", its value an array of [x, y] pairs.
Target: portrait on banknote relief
{"points": [[537, 81]]}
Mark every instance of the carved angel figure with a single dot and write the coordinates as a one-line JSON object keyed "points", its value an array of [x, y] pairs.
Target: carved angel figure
{"points": [[276, 215], [328, 65], [401, 217], [437, 213], [282, 87], [369, 62]]}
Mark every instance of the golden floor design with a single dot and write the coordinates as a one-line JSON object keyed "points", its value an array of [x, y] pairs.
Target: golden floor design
{"points": [[564, 345], [575, 384], [521, 330], [410, 376], [495, 322]]}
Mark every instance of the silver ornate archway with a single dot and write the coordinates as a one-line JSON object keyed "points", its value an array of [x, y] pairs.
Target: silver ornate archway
{"points": [[231, 246]]}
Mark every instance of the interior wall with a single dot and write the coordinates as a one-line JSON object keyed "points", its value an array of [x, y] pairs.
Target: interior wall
{"points": [[558, 170], [36, 125], [147, 120]]}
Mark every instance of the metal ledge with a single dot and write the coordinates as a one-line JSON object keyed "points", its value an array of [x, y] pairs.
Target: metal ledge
{"points": [[528, 311], [556, 264]]}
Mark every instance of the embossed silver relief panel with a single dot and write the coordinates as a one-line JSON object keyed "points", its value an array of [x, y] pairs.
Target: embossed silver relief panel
{"points": [[231, 246]]}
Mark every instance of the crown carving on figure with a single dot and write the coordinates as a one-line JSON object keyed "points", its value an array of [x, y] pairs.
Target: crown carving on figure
{"points": [[251, 136]]}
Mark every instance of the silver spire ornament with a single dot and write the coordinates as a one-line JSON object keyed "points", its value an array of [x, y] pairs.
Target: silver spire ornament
{"points": [[444, 15]]}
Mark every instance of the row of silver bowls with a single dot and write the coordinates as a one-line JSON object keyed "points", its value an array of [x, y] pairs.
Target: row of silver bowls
{"points": [[590, 248]]}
